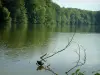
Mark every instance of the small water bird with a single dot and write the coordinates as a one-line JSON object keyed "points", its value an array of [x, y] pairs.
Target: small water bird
{"points": [[40, 63]]}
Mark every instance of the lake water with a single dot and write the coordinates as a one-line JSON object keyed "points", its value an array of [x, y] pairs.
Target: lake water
{"points": [[18, 53]]}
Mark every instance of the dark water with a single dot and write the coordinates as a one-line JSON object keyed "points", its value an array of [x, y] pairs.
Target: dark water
{"points": [[19, 51]]}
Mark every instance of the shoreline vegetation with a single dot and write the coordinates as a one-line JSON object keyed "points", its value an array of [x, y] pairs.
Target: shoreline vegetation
{"points": [[27, 18], [27, 14]]}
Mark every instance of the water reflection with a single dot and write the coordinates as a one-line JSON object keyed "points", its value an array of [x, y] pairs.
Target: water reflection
{"points": [[21, 42], [19, 51]]}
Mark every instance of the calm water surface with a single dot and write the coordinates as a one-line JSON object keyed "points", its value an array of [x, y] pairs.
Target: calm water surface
{"points": [[18, 56]]}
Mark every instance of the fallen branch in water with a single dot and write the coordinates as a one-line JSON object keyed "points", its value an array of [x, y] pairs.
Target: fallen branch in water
{"points": [[49, 69], [40, 67], [78, 63], [43, 57], [58, 51]]}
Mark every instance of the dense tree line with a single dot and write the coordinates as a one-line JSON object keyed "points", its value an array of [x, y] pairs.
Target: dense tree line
{"points": [[30, 13]]}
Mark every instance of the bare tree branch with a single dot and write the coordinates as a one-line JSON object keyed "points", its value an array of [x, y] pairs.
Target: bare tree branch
{"points": [[78, 63], [69, 42], [43, 57]]}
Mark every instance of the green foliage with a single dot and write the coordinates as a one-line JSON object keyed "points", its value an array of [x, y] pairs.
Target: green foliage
{"points": [[48, 14], [0, 4], [5, 19], [97, 74], [77, 72], [4, 14]]}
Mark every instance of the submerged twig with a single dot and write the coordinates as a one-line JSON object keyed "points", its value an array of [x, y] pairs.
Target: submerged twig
{"points": [[78, 63], [42, 59], [49, 69], [46, 68]]}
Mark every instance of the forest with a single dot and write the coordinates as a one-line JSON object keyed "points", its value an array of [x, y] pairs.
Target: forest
{"points": [[26, 32], [21, 14]]}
